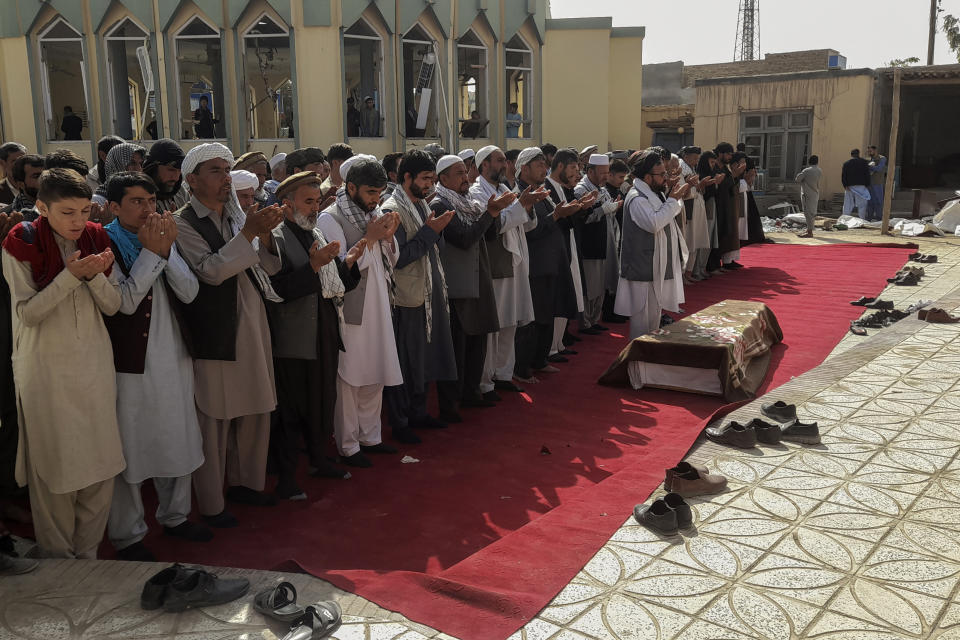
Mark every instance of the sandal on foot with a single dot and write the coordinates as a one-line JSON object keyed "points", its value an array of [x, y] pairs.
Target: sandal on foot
{"points": [[319, 621], [279, 603]]}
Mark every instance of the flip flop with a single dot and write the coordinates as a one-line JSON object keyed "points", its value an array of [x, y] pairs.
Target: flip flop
{"points": [[279, 603], [319, 621]]}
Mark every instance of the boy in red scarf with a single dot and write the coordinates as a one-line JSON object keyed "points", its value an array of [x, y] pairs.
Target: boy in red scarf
{"points": [[69, 448]]}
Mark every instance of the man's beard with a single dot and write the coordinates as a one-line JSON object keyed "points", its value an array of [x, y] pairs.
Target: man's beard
{"points": [[417, 192], [364, 206], [498, 178], [661, 188], [304, 222]]}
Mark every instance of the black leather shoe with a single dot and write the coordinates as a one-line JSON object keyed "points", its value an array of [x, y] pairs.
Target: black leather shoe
{"points": [[677, 504], [766, 433], [802, 433], [733, 434], [199, 588], [246, 495], [155, 589], [192, 531], [557, 358], [658, 517], [492, 396], [382, 447], [780, 411], [357, 460], [404, 435], [506, 385], [223, 520], [136, 552], [880, 304]]}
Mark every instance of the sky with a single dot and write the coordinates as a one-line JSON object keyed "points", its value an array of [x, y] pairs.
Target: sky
{"points": [[869, 33]]}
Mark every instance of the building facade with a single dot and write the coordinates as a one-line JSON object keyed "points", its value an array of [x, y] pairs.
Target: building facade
{"points": [[274, 75]]}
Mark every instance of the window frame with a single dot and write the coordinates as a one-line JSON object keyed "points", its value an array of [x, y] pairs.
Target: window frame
{"points": [[243, 36], [45, 75], [485, 94], [379, 99], [764, 131], [437, 68], [527, 122], [107, 39], [175, 36]]}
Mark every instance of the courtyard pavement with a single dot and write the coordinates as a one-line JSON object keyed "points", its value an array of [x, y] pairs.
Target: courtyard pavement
{"points": [[856, 538]]}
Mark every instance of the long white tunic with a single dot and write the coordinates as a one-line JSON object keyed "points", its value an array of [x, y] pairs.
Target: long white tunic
{"points": [[514, 300], [697, 230], [653, 216], [156, 409], [370, 349], [742, 222]]}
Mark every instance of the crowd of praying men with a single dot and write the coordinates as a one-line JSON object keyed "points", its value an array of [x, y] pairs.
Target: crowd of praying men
{"points": [[201, 321]]}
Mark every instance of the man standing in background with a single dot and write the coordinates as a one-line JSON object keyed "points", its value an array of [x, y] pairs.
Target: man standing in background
{"points": [[878, 178], [809, 180]]}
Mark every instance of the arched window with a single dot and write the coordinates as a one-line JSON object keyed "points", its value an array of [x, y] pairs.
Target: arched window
{"points": [[472, 86], [419, 83], [363, 75], [267, 76], [130, 76], [200, 80], [64, 81], [518, 59]]}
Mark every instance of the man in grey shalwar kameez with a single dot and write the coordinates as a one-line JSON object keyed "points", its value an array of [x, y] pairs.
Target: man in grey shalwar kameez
{"points": [[420, 317]]}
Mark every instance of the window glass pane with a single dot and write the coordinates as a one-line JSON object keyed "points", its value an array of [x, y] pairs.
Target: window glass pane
{"points": [[266, 26], [775, 120], [127, 29], [361, 28], [419, 65], [362, 63], [200, 81], [775, 155], [470, 38], [132, 113], [61, 30], [518, 59], [472, 96], [799, 120], [198, 27], [752, 122], [268, 86], [65, 77]]}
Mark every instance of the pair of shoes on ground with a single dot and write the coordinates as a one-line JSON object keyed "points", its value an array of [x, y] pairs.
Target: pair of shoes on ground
{"points": [[905, 279], [178, 588], [688, 480], [923, 258], [786, 427], [937, 315], [877, 320], [666, 515], [306, 623]]}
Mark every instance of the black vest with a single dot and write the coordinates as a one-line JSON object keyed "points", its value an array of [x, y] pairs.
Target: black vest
{"points": [[212, 317]]}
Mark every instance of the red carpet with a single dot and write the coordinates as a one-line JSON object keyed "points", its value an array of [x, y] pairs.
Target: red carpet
{"points": [[481, 533]]}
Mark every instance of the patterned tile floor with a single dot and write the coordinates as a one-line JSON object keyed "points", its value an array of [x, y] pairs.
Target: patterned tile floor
{"points": [[855, 539]]}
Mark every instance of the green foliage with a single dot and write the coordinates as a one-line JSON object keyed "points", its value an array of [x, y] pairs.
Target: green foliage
{"points": [[951, 29], [903, 62]]}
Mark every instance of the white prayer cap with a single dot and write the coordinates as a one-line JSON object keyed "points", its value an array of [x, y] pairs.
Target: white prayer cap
{"points": [[599, 160], [352, 160], [277, 159], [526, 156], [203, 152], [589, 149], [484, 152], [465, 155], [244, 180], [448, 161]]}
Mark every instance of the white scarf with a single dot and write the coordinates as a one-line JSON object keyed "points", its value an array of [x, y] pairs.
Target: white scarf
{"points": [[660, 239], [411, 217], [482, 190]]}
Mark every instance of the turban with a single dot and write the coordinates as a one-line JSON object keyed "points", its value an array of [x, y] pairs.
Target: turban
{"points": [[296, 181], [244, 180], [204, 152], [352, 160], [598, 160], [527, 156], [249, 159], [484, 152], [120, 156], [448, 161], [164, 151], [277, 159]]}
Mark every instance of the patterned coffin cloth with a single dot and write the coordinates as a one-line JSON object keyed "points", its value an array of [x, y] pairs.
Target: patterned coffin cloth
{"points": [[721, 350]]}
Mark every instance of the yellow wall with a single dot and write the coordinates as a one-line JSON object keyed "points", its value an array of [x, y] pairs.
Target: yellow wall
{"points": [[19, 111], [576, 74], [841, 109], [626, 86]]}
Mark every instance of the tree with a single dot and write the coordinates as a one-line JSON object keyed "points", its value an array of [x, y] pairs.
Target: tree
{"points": [[951, 29], [903, 62]]}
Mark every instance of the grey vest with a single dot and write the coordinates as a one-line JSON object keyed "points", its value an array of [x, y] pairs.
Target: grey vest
{"points": [[636, 255], [352, 300], [293, 323]]}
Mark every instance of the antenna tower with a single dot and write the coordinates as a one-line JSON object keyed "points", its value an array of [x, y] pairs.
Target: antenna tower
{"points": [[747, 44]]}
